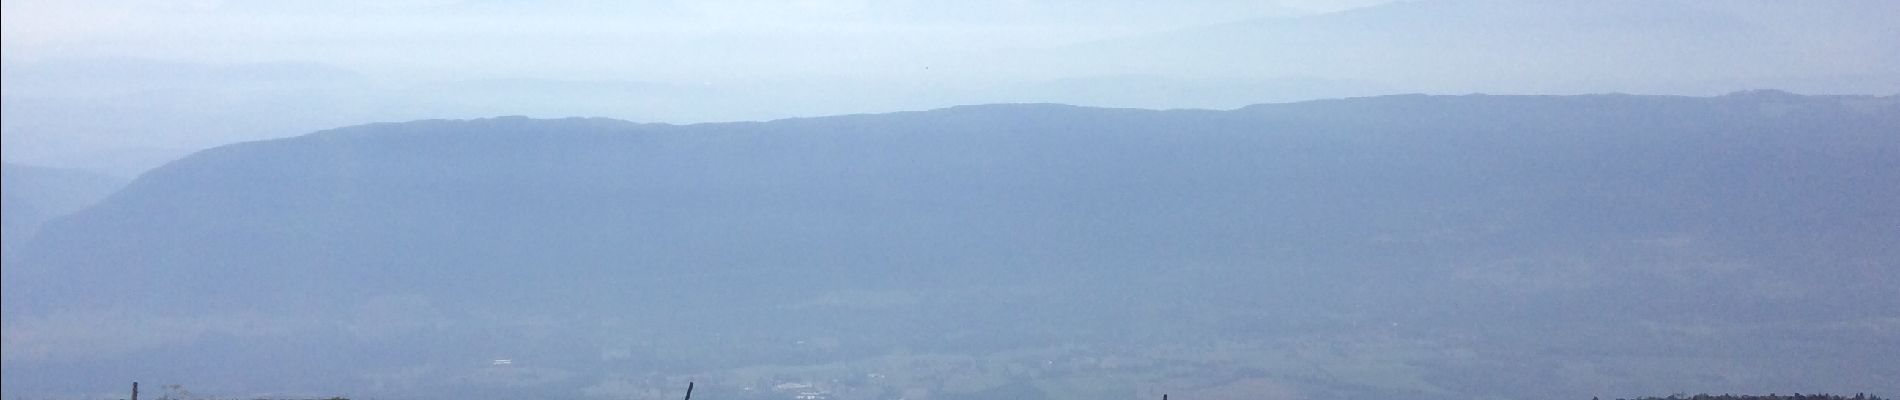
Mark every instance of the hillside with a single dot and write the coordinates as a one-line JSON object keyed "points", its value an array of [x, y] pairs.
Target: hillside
{"points": [[1330, 249], [34, 195]]}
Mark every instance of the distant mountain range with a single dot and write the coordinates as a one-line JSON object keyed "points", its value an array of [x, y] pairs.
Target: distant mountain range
{"points": [[1418, 246], [34, 195], [164, 109], [1534, 46]]}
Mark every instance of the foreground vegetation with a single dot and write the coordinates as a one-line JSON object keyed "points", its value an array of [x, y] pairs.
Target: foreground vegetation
{"points": [[1770, 396]]}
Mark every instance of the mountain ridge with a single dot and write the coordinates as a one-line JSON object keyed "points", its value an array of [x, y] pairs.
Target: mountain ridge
{"points": [[1757, 218]]}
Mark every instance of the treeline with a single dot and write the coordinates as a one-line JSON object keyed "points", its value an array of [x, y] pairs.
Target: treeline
{"points": [[1770, 396]]}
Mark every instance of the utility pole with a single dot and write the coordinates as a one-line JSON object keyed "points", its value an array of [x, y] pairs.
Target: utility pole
{"points": [[135, 390]]}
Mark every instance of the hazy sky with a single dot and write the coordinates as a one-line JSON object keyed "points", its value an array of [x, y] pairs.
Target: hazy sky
{"points": [[654, 40]]}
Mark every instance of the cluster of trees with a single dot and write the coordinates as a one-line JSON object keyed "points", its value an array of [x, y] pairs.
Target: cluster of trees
{"points": [[1770, 396]]}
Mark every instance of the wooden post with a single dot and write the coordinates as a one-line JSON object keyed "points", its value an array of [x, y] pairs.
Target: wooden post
{"points": [[135, 391], [689, 390]]}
